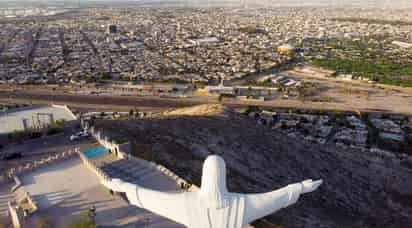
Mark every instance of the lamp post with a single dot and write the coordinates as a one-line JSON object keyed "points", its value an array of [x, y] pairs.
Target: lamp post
{"points": [[92, 214], [147, 221]]}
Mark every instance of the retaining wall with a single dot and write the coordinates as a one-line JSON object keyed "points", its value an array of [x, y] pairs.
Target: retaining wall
{"points": [[66, 108], [15, 216], [93, 168], [179, 181], [111, 145], [121, 151], [30, 166], [121, 154]]}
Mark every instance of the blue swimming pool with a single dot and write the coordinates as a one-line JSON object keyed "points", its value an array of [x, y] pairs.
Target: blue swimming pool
{"points": [[95, 152]]}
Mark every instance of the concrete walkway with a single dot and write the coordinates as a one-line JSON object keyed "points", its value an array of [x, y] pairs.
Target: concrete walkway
{"points": [[65, 189], [57, 182]]}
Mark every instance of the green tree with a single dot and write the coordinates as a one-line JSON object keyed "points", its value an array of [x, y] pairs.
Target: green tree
{"points": [[251, 108], [43, 223], [84, 221], [249, 91]]}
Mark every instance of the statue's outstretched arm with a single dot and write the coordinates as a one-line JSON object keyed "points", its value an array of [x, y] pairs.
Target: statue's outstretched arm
{"points": [[167, 204], [261, 205]]}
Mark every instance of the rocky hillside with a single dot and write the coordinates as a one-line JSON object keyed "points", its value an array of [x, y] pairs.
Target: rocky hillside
{"points": [[359, 190], [201, 110]]}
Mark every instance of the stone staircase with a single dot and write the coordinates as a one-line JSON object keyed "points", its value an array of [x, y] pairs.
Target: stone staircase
{"points": [[5, 197], [131, 171]]}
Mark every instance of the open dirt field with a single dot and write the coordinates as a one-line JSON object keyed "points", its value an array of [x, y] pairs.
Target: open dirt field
{"points": [[341, 96]]}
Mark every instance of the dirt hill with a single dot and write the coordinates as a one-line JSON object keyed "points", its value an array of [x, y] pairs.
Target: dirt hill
{"points": [[359, 190], [202, 110]]}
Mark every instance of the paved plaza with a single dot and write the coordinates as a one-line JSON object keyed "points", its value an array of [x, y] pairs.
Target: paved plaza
{"points": [[65, 189]]}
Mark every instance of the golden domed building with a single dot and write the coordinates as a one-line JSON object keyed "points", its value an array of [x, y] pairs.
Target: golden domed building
{"points": [[286, 49]]}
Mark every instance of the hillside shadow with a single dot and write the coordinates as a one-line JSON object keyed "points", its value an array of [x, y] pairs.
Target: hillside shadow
{"points": [[356, 186]]}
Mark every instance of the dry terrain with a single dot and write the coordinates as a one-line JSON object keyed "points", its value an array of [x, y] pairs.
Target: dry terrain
{"points": [[359, 190], [330, 95], [357, 94]]}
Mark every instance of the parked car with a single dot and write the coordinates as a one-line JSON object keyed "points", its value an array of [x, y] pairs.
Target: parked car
{"points": [[74, 137], [79, 135]]}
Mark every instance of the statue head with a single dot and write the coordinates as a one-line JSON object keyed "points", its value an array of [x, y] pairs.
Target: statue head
{"points": [[213, 190]]}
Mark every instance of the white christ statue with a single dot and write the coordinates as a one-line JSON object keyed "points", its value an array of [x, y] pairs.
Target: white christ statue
{"points": [[212, 206]]}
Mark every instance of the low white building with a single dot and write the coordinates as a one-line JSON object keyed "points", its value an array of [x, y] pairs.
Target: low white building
{"points": [[402, 44], [32, 117]]}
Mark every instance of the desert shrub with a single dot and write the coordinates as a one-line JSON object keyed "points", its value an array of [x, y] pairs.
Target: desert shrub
{"points": [[251, 108], [54, 130], [84, 221], [35, 135], [59, 124], [56, 127], [43, 223]]}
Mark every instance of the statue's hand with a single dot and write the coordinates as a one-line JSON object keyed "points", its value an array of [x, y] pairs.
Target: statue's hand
{"points": [[310, 186], [113, 184]]}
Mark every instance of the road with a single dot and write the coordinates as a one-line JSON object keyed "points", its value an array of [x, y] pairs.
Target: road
{"points": [[5, 44], [32, 46], [63, 45], [49, 144], [40, 148], [350, 103], [93, 47]]}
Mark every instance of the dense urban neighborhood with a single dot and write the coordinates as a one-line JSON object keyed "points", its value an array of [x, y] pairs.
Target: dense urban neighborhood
{"points": [[101, 96], [193, 46]]}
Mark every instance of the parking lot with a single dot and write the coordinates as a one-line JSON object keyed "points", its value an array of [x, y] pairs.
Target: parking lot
{"points": [[42, 147]]}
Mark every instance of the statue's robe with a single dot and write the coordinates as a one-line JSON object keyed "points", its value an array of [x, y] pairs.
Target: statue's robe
{"points": [[212, 206], [201, 216]]}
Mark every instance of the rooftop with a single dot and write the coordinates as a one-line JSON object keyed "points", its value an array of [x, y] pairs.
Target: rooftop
{"points": [[16, 119]]}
